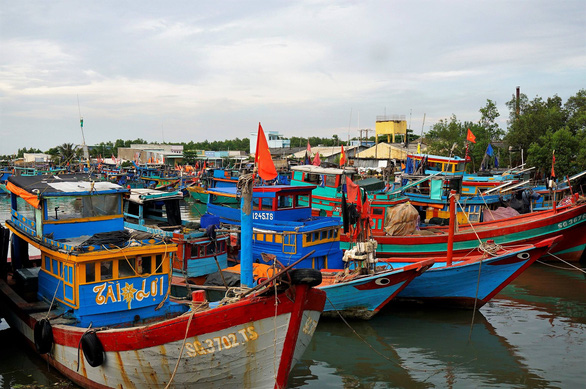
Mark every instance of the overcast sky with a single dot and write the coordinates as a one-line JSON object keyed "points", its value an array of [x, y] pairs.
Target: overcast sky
{"points": [[194, 70]]}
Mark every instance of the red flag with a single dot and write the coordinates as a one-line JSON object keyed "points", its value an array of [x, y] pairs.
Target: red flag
{"points": [[353, 190], [308, 147], [262, 158], [552, 165], [316, 160], [342, 157], [471, 137]]}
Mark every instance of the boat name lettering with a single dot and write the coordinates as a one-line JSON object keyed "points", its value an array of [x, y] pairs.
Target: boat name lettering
{"points": [[110, 292], [571, 221], [262, 216], [309, 326], [219, 343]]}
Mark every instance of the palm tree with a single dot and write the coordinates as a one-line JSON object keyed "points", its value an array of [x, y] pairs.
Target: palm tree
{"points": [[66, 152]]}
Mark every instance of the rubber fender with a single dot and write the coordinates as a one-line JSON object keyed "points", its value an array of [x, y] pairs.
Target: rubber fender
{"points": [[310, 277], [43, 333], [92, 349]]}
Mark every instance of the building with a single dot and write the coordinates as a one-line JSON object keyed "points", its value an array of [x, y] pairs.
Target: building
{"points": [[274, 140], [378, 157], [169, 155]]}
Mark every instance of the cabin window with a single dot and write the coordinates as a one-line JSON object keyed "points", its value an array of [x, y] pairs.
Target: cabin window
{"points": [[54, 267], [106, 270], [331, 181], [126, 267], [285, 202], [25, 209], [47, 263], [267, 204], [315, 236], [82, 207], [90, 272], [159, 264], [324, 235], [210, 249], [308, 237], [303, 201], [194, 250], [377, 211], [312, 178], [143, 265]]}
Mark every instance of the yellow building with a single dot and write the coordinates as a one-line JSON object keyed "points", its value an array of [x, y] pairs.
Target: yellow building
{"points": [[390, 125]]}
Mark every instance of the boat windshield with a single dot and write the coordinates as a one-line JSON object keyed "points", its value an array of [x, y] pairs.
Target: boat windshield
{"points": [[82, 206]]}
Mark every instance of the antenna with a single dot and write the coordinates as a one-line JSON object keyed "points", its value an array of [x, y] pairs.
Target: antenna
{"points": [[86, 153]]}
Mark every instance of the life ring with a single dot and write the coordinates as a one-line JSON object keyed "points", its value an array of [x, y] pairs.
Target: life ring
{"points": [[310, 277], [92, 349], [43, 334]]}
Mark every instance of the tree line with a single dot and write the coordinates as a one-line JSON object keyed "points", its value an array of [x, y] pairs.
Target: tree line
{"points": [[535, 129]]}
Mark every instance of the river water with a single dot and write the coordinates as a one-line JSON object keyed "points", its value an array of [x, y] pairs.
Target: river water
{"points": [[531, 335]]}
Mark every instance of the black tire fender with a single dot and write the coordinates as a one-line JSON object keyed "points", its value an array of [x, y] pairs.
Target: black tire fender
{"points": [[92, 349], [43, 333], [310, 277]]}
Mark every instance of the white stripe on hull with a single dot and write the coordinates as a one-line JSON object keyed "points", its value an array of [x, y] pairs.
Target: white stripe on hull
{"points": [[251, 363]]}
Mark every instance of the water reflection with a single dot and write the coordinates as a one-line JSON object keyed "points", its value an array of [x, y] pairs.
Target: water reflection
{"points": [[20, 367], [413, 349], [556, 288]]}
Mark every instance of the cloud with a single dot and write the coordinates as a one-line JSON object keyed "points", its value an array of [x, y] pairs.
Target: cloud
{"points": [[213, 70]]}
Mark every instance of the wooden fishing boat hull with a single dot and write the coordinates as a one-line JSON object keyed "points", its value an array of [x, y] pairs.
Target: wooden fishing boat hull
{"points": [[249, 344], [569, 221], [363, 297], [471, 281]]}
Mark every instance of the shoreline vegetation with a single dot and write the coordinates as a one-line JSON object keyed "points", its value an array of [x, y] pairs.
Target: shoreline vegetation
{"points": [[535, 130]]}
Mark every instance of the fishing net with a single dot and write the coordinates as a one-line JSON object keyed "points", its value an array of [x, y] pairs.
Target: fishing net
{"points": [[401, 220]]}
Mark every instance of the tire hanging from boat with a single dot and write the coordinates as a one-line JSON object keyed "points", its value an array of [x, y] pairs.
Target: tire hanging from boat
{"points": [[43, 334], [310, 277], [92, 349]]}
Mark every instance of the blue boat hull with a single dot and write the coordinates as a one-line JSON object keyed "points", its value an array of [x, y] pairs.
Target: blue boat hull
{"points": [[362, 298], [471, 284]]}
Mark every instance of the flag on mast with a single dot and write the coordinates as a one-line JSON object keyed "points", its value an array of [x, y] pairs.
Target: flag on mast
{"points": [[471, 137], [342, 157], [262, 159], [552, 164]]}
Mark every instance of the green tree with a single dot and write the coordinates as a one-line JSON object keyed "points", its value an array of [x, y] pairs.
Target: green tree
{"points": [[67, 152], [534, 119], [576, 112], [566, 153]]}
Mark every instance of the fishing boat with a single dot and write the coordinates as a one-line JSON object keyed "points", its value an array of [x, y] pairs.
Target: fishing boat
{"points": [[530, 228], [470, 281], [355, 285], [214, 178], [96, 306], [199, 252], [467, 280], [283, 224], [473, 184], [329, 183], [359, 294]]}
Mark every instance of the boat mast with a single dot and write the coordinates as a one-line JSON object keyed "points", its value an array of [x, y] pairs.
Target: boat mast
{"points": [[86, 153]]}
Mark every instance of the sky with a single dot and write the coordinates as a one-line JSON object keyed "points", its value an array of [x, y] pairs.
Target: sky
{"points": [[180, 71]]}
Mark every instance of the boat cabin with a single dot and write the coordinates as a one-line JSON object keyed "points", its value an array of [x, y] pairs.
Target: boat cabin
{"points": [[429, 164], [159, 213], [97, 271], [283, 224]]}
